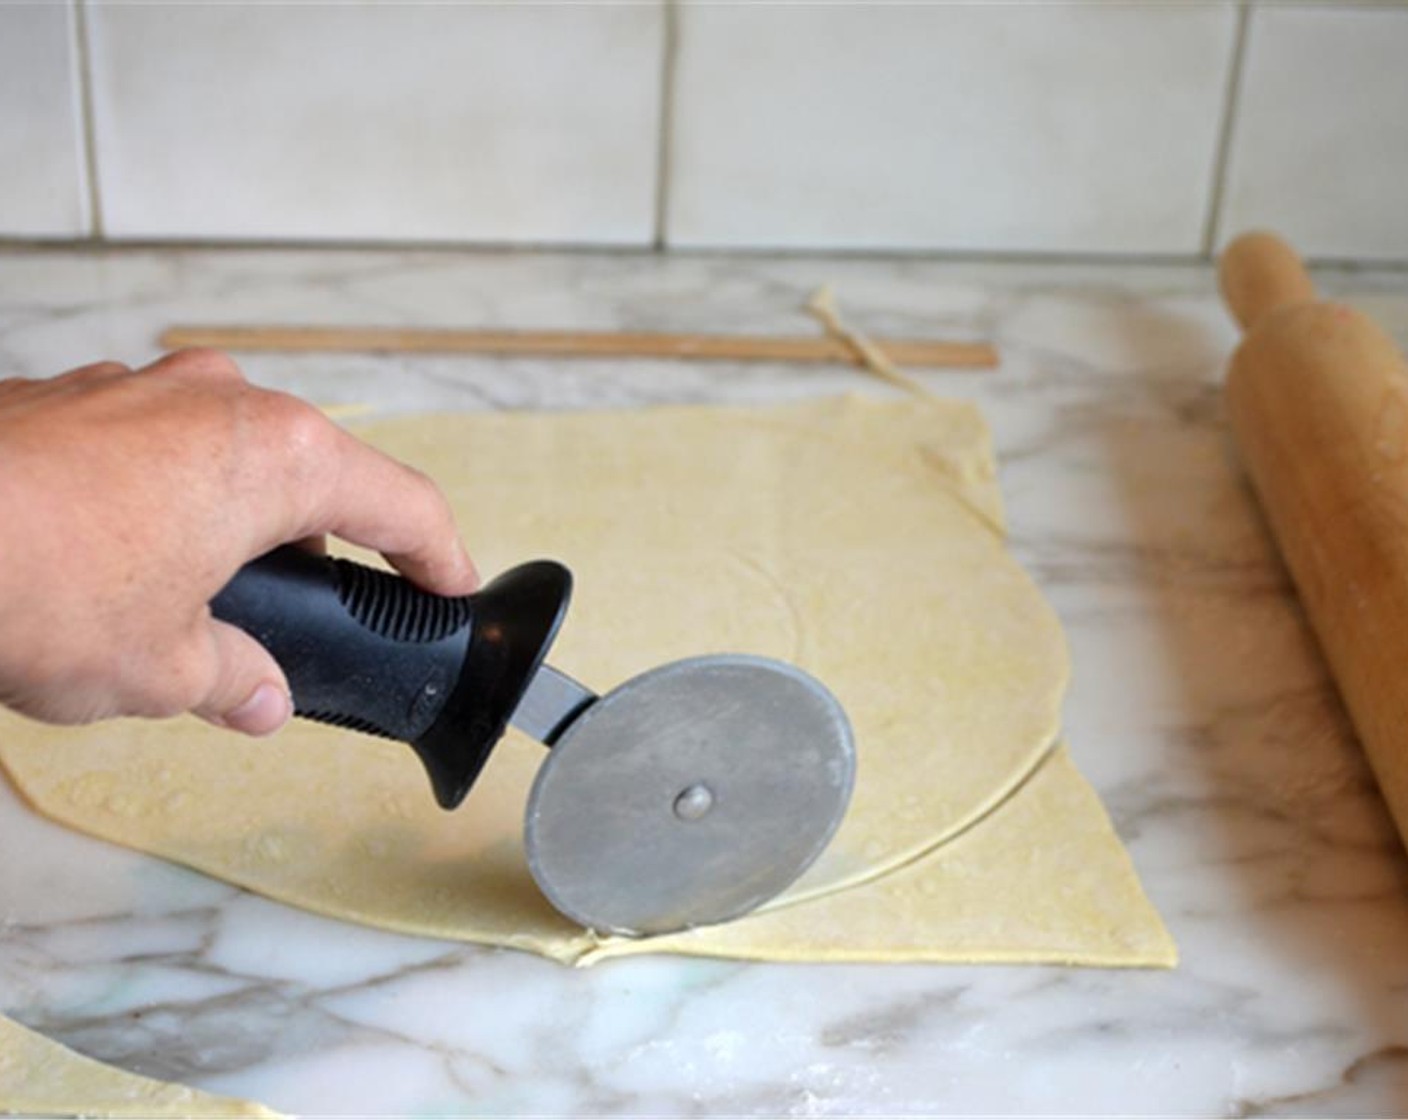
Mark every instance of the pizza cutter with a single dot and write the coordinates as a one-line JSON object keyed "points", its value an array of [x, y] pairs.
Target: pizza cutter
{"points": [[686, 796]]}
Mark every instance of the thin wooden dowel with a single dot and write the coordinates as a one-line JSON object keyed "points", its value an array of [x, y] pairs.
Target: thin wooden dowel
{"points": [[580, 344]]}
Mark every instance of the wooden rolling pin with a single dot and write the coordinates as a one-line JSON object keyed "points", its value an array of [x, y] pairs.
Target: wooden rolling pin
{"points": [[1318, 399]]}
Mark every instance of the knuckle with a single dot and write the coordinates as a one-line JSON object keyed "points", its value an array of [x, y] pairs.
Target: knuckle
{"points": [[101, 369], [168, 675], [429, 492], [434, 519], [201, 360], [443, 512], [302, 440], [174, 685], [299, 427]]}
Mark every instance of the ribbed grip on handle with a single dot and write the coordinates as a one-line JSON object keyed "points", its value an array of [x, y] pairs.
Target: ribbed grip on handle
{"points": [[367, 650], [396, 609]]}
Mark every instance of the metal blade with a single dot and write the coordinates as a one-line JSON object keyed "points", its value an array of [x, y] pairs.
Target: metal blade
{"points": [[689, 795], [550, 704]]}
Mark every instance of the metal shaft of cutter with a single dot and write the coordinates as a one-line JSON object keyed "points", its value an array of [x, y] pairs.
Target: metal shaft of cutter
{"points": [[551, 703]]}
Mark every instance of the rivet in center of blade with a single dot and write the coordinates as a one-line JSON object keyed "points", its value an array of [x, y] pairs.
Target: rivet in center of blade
{"points": [[694, 802]]}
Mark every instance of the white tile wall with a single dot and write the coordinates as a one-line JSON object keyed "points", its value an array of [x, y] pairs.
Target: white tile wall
{"points": [[42, 190], [517, 122], [1087, 126], [1050, 127], [1320, 148]]}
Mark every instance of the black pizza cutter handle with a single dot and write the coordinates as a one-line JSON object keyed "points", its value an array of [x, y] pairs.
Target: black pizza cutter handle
{"points": [[368, 650]]}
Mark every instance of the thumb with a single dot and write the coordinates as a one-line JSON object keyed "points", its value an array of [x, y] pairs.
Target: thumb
{"points": [[249, 692]]}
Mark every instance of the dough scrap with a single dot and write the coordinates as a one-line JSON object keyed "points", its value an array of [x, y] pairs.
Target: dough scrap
{"points": [[40, 1077], [822, 305]]}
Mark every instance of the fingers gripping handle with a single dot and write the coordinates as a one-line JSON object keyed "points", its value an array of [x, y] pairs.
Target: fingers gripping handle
{"points": [[367, 650], [361, 649]]}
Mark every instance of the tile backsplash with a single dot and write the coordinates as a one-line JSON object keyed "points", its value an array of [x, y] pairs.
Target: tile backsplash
{"points": [[1089, 126], [43, 190], [377, 121], [1321, 142]]}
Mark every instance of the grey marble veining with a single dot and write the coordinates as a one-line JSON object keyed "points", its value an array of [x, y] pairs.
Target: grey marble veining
{"points": [[1199, 709]]}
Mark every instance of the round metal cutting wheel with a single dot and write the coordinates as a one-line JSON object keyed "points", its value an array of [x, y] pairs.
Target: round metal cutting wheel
{"points": [[689, 795]]}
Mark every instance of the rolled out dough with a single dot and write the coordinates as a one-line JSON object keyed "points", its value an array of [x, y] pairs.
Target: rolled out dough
{"points": [[41, 1078], [861, 540]]}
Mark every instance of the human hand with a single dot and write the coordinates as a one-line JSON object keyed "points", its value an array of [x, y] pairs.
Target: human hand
{"points": [[129, 499]]}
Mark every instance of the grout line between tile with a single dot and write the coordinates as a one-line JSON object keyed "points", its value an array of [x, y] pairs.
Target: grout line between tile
{"points": [[87, 127], [1231, 103], [117, 246], [665, 133]]}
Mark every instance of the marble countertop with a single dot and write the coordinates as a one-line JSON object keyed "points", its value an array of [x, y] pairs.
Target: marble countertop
{"points": [[1199, 709]]}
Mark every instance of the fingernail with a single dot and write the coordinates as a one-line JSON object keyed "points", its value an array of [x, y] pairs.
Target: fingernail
{"points": [[267, 709]]}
